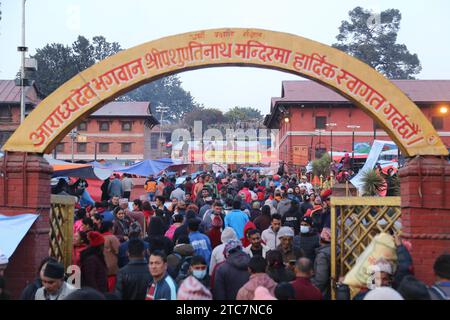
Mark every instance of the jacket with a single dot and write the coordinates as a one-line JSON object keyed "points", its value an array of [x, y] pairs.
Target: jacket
{"points": [[94, 273], [248, 250], [248, 195], [63, 292], [127, 185], [322, 269], [29, 293], [280, 274], [262, 222], [236, 219], [247, 292], [231, 276], [292, 219], [290, 254], [248, 226], [283, 206], [308, 243], [115, 188], [270, 238], [305, 290], [217, 255], [133, 280], [166, 289], [111, 253], [201, 244]]}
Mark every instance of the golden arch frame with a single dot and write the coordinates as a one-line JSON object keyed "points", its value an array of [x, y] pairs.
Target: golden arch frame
{"points": [[89, 90]]}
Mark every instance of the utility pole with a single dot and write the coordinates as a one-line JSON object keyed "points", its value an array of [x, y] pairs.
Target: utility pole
{"points": [[161, 110], [353, 127], [22, 49]]}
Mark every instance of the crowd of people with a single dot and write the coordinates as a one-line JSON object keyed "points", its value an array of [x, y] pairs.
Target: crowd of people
{"points": [[226, 236]]}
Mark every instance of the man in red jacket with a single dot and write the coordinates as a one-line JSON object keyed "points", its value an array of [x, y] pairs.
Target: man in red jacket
{"points": [[304, 289]]}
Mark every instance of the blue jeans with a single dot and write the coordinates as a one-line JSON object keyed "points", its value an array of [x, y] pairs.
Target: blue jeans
{"points": [[151, 196]]}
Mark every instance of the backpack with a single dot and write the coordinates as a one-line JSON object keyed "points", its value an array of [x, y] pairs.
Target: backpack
{"points": [[182, 269]]}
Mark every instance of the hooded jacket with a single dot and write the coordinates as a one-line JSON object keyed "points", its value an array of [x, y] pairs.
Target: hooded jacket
{"points": [[231, 276], [247, 292], [248, 226], [217, 255]]}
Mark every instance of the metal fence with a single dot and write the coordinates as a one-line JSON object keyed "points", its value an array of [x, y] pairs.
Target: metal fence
{"points": [[61, 228], [355, 221]]}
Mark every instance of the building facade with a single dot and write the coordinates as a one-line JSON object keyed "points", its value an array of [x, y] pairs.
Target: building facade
{"points": [[10, 106], [313, 119], [118, 133]]}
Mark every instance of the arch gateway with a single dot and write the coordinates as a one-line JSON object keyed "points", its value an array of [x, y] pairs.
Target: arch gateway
{"points": [[25, 174]]}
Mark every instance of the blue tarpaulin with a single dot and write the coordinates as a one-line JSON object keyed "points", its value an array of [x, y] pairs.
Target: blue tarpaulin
{"points": [[12, 230], [147, 167]]}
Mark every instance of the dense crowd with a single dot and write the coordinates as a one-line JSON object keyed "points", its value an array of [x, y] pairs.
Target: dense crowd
{"points": [[228, 235]]}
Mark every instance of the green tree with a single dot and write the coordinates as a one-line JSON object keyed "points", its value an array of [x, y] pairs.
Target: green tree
{"points": [[208, 116], [321, 167], [373, 39], [243, 114], [165, 92]]}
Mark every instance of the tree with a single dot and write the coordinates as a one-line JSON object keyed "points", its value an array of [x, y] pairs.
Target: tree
{"points": [[58, 63], [243, 114], [321, 167], [208, 116], [373, 39], [165, 92]]}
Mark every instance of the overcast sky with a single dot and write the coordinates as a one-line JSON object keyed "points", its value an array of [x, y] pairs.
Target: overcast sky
{"points": [[425, 29]]}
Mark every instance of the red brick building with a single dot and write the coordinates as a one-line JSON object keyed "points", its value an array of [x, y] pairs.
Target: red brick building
{"points": [[310, 107], [117, 132], [10, 106]]}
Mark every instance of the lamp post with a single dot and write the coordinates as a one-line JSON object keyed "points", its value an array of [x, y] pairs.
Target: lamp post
{"points": [[73, 135], [22, 49], [331, 125], [161, 110], [353, 127]]}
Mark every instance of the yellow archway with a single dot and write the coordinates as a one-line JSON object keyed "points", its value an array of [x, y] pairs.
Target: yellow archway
{"points": [[86, 92]]}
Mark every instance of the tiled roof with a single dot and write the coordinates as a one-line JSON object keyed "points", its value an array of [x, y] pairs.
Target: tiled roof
{"points": [[416, 90], [10, 93]]}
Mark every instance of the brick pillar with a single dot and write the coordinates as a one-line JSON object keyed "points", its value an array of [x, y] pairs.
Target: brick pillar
{"points": [[425, 182], [25, 188]]}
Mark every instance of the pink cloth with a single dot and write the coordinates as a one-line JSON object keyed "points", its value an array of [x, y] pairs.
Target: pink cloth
{"points": [[77, 226], [169, 233]]}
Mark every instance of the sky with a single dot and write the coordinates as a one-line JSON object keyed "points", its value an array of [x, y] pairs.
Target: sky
{"points": [[425, 29]]}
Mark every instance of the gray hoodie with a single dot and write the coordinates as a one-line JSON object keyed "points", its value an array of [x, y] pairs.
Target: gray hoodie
{"points": [[217, 254]]}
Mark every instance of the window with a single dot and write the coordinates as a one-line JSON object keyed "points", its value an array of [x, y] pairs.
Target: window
{"points": [[5, 114], [60, 147], [103, 147], [320, 122], [126, 126], [438, 122], [82, 126], [126, 147], [4, 135], [104, 126], [81, 146]]}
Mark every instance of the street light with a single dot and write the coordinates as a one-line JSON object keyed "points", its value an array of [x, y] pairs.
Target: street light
{"points": [[73, 135], [331, 125], [161, 110], [353, 127]]}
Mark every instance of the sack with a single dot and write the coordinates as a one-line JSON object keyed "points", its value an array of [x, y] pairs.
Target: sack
{"points": [[382, 246]]}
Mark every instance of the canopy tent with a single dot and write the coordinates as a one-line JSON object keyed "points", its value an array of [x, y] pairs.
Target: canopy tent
{"points": [[12, 230], [147, 167], [77, 170]]}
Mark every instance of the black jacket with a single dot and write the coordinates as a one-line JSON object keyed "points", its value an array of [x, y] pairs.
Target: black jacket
{"points": [[30, 290], [133, 280], [308, 243], [292, 219], [231, 276]]}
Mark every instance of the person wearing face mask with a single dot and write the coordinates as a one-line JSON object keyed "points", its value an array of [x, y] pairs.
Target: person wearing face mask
{"points": [[308, 240], [199, 270]]}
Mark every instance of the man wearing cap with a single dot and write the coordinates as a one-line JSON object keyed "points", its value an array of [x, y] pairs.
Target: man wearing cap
{"points": [[53, 285], [305, 184], [286, 247], [308, 239], [322, 264]]}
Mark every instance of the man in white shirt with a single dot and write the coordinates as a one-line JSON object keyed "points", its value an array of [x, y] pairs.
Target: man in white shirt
{"points": [[270, 235], [305, 184]]}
